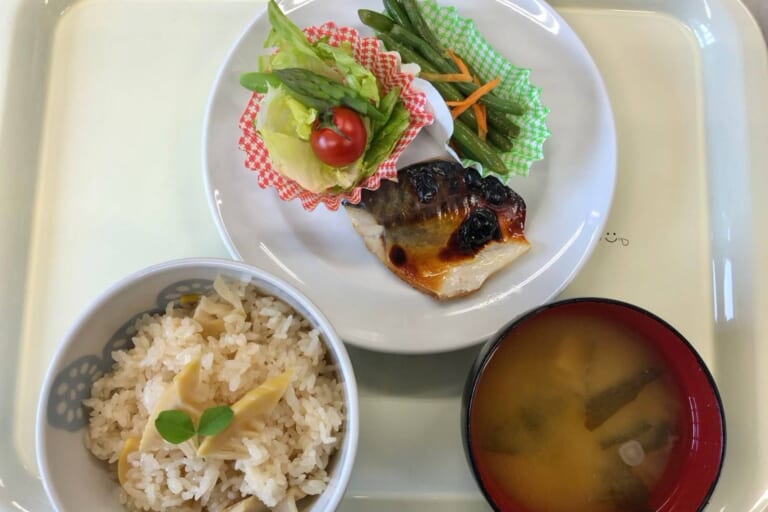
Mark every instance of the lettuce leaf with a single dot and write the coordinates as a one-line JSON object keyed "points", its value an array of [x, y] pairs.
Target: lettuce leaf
{"points": [[333, 62], [281, 113], [285, 125], [295, 49], [355, 75]]}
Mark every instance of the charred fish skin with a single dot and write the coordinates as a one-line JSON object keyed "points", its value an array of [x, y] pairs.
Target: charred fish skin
{"points": [[480, 227], [441, 227], [439, 188]]}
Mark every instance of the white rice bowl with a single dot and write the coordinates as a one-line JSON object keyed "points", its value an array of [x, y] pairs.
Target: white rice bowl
{"points": [[285, 460]]}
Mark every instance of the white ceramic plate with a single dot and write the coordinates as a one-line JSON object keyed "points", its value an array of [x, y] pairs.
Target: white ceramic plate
{"points": [[568, 193]]}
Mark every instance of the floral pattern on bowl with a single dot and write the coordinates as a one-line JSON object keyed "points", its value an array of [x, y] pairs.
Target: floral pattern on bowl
{"points": [[72, 385]]}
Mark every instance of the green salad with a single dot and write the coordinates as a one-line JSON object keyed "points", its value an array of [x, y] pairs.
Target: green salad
{"points": [[324, 118]]}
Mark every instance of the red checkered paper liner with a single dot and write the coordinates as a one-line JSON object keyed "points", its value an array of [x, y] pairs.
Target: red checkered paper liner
{"points": [[386, 67]]}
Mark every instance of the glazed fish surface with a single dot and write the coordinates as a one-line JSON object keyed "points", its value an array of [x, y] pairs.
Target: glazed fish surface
{"points": [[441, 227]]}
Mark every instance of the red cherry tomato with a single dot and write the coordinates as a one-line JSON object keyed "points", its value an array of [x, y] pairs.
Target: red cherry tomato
{"points": [[338, 138]]}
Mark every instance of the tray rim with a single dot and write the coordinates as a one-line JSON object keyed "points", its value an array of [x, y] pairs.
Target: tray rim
{"points": [[751, 42]]}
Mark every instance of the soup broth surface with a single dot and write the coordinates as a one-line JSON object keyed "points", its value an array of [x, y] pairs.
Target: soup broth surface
{"points": [[574, 413]]}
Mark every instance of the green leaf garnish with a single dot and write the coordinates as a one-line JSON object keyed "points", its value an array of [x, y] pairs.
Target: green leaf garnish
{"points": [[214, 420], [175, 426]]}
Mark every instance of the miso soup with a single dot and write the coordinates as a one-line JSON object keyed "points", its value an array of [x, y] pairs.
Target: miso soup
{"points": [[574, 413]]}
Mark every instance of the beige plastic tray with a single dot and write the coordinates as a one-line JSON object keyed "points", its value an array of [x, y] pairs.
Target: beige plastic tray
{"points": [[101, 105]]}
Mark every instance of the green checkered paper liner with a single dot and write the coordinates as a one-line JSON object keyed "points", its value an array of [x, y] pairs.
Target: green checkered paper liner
{"points": [[462, 36]]}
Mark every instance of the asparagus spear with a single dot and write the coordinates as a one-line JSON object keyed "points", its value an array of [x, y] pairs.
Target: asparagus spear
{"points": [[309, 84]]}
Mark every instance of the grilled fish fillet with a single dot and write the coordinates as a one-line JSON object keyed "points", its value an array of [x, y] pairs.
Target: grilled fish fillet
{"points": [[442, 228]]}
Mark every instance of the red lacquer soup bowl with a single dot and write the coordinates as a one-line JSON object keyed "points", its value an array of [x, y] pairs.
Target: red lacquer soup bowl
{"points": [[592, 405]]}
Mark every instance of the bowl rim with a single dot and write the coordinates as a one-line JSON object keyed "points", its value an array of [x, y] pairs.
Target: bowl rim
{"points": [[491, 345], [332, 340]]}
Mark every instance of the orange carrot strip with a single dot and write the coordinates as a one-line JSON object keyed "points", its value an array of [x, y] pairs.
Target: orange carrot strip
{"points": [[478, 113], [447, 77], [482, 120], [462, 65], [481, 91], [484, 126]]}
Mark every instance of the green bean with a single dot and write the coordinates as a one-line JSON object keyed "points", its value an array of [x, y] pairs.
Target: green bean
{"points": [[447, 66], [420, 24], [450, 92], [497, 139], [492, 101], [497, 133], [500, 135], [381, 23], [476, 149], [499, 117], [375, 20], [503, 123], [406, 53], [446, 90], [500, 141], [440, 62], [397, 13]]}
